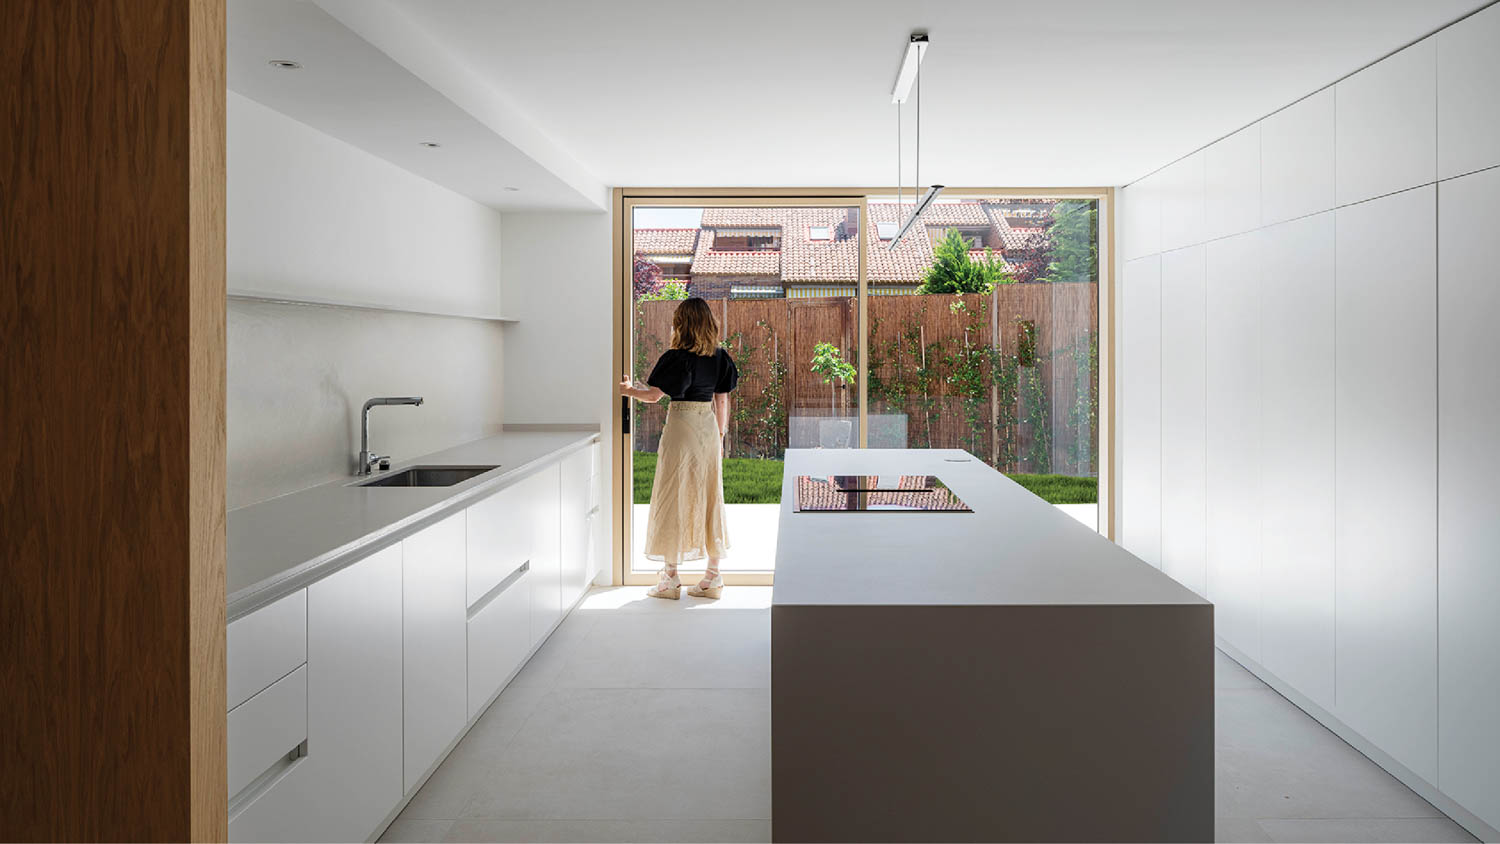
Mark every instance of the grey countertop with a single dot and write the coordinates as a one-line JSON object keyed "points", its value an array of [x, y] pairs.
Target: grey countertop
{"points": [[1014, 549], [278, 546]]}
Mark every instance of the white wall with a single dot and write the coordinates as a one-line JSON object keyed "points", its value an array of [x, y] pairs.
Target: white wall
{"points": [[1330, 273], [557, 282], [310, 216], [313, 216]]}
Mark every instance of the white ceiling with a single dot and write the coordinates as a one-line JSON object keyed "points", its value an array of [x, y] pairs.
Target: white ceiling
{"points": [[790, 92], [353, 91]]}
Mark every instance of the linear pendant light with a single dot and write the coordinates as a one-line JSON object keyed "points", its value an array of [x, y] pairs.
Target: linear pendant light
{"points": [[910, 74]]}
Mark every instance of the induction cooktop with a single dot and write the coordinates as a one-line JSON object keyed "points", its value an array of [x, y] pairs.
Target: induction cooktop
{"points": [[876, 493]]}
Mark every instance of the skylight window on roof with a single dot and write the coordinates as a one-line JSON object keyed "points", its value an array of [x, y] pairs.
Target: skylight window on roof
{"points": [[820, 232]]}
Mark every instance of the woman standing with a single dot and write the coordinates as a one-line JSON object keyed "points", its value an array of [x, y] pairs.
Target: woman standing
{"points": [[687, 496]]}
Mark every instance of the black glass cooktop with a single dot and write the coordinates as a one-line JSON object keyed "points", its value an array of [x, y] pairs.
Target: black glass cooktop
{"points": [[869, 493]]}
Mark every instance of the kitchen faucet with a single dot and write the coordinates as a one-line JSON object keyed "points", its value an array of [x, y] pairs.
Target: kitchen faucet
{"points": [[366, 459]]}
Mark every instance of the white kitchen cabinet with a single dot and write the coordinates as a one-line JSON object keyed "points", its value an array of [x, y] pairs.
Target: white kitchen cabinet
{"points": [[1297, 448], [1140, 210], [1468, 499], [1181, 186], [574, 500], [1233, 439], [350, 778], [1385, 452], [266, 730], [1183, 424], [1468, 112], [543, 495], [499, 636], [1140, 415], [1296, 159], [433, 643], [265, 646], [1385, 137], [499, 530], [1231, 184]]}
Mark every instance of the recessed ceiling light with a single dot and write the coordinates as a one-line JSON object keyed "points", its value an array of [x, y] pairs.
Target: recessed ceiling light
{"points": [[511, 189], [429, 144], [285, 64]]}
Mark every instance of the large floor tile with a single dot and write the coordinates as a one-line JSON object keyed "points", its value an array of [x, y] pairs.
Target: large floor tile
{"points": [[683, 650], [610, 830], [629, 599], [415, 831], [1239, 831], [505, 717], [642, 754], [1366, 829], [1229, 674], [542, 670], [1274, 761]]}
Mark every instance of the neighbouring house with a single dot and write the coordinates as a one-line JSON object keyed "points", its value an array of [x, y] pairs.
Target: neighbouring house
{"points": [[798, 252]]}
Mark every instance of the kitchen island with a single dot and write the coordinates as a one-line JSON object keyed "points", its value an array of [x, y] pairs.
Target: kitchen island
{"points": [[1004, 674]]}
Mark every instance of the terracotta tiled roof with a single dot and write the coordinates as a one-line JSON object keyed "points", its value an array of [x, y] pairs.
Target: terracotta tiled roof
{"points": [[803, 260], [708, 261], [666, 241]]}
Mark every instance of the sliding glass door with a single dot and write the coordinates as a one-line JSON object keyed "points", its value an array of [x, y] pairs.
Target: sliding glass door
{"points": [[979, 330], [783, 279]]}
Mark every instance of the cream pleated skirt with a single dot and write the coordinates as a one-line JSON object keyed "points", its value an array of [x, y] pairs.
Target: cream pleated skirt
{"points": [[687, 498]]}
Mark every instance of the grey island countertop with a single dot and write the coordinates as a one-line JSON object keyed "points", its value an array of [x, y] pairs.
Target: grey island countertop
{"points": [[278, 546], [1013, 549]]}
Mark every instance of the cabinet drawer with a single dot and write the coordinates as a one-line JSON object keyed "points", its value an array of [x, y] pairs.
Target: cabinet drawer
{"points": [[265, 646], [499, 535], [499, 638], [266, 729]]}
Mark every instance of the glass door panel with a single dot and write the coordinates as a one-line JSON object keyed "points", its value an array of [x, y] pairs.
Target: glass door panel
{"points": [[783, 282], [984, 336]]}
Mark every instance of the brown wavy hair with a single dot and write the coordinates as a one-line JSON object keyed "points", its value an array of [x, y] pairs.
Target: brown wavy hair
{"points": [[694, 327]]}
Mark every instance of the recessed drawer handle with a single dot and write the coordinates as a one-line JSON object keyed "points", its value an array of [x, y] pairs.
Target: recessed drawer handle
{"points": [[272, 775], [490, 596]]}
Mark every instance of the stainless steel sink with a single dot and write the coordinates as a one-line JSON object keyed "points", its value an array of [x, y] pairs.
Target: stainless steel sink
{"points": [[429, 476]]}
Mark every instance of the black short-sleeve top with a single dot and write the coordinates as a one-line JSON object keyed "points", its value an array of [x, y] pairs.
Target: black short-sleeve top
{"points": [[684, 376]]}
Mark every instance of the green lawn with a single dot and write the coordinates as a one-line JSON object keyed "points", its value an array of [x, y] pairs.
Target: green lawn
{"points": [[751, 481]]}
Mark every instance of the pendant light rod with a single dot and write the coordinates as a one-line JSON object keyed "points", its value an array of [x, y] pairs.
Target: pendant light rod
{"points": [[932, 193]]}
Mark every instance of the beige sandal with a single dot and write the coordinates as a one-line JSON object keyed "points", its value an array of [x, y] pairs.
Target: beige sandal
{"points": [[713, 589], [667, 586]]}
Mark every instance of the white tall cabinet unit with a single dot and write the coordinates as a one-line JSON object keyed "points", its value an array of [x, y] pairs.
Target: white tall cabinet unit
{"points": [[1468, 495], [1182, 417], [1350, 526]]}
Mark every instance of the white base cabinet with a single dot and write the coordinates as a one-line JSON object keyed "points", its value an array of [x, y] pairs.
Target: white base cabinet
{"points": [[499, 635], [345, 694], [546, 556], [577, 477], [350, 778], [433, 643]]}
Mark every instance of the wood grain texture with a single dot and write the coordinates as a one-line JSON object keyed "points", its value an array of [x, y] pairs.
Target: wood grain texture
{"points": [[111, 474]]}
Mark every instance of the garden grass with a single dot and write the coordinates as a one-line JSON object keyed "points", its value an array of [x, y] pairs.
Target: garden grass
{"points": [[750, 480]]}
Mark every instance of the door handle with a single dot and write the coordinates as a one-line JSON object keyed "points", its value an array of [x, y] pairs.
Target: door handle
{"points": [[624, 414]]}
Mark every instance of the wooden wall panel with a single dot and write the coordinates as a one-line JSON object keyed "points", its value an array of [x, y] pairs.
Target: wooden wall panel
{"points": [[112, 469]]}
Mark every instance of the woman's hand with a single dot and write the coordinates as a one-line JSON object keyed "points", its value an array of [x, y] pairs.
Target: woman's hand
{"points": [[645, 394]]}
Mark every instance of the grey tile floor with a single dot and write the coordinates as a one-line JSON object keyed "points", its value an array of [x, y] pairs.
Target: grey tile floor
{"points": [[649, 720]]}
